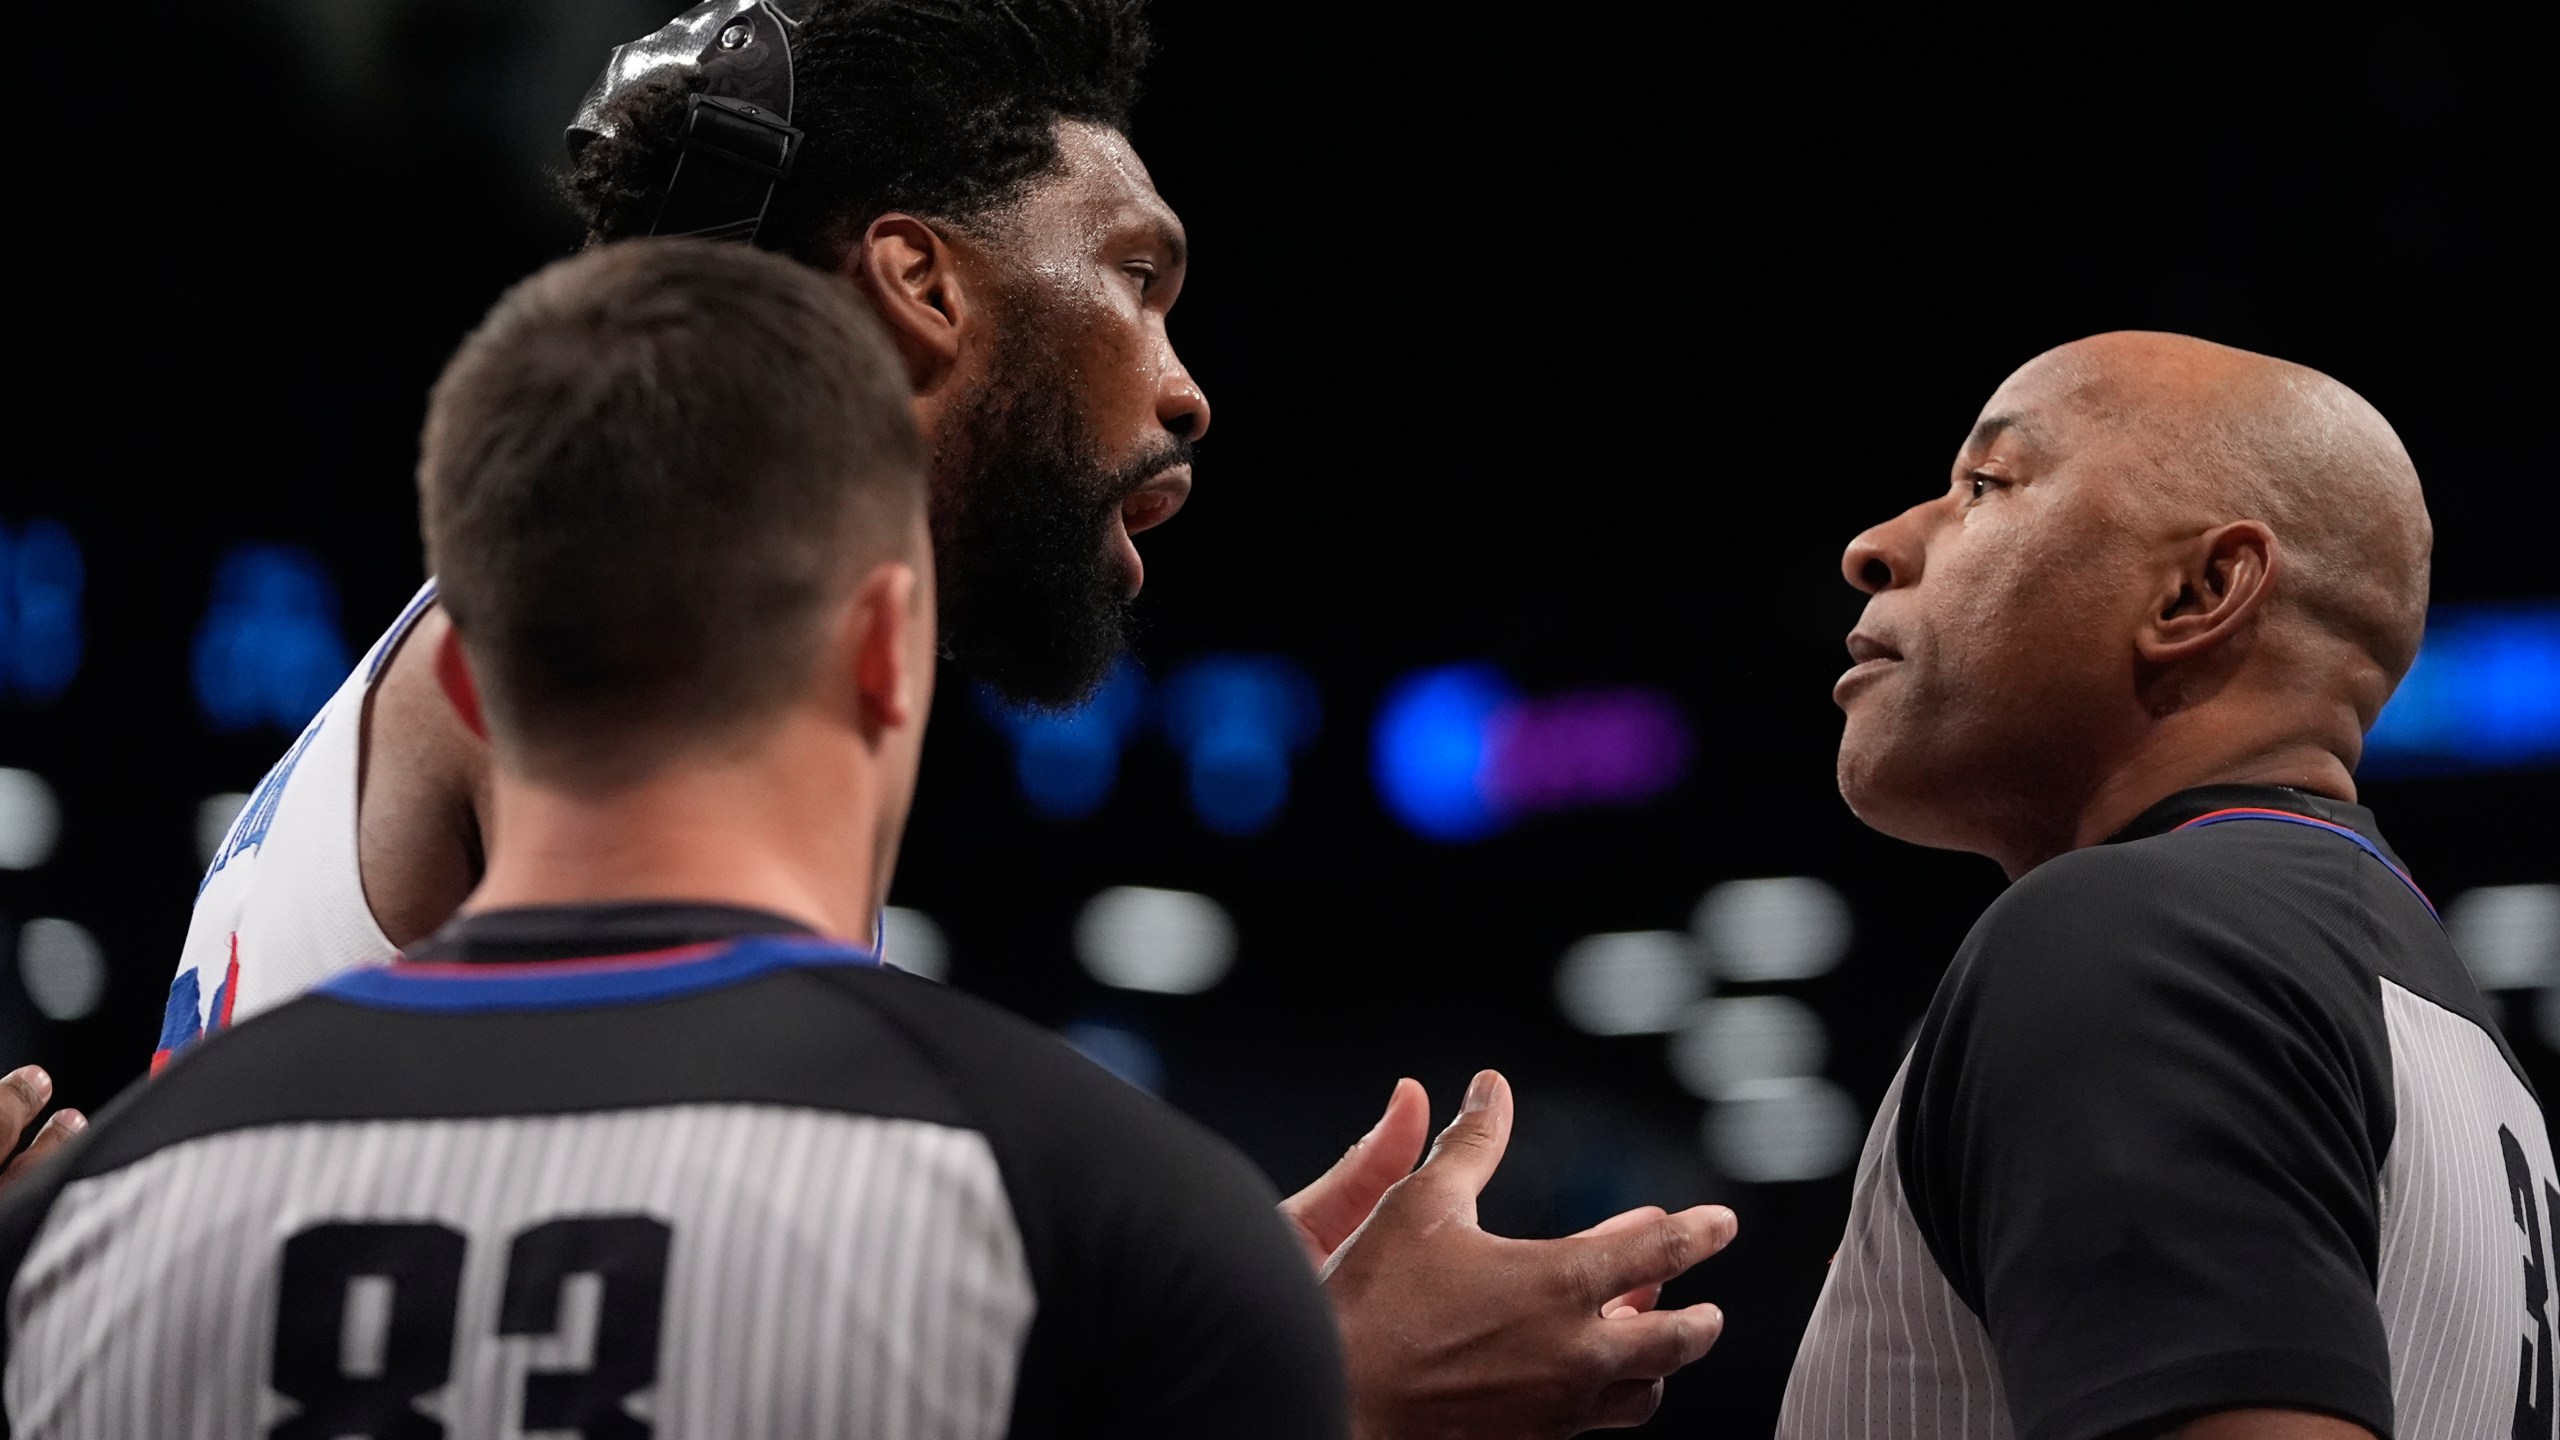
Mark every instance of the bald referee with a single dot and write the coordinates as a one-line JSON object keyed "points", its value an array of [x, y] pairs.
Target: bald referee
{"points": [[2206, 1133], [645, 1143]]}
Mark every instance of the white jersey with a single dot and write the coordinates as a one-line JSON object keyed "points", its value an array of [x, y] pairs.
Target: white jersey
{"points": [[282, 906]]}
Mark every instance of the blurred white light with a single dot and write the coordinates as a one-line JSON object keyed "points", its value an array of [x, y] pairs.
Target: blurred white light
{"points": [[1775, 1130], [1729, 1045], [910, 940], [214, 814], [1122, 1051], [1788, 928], [2509, 935], [1172, 942], [62, 967], [30, 820], [1634, 983]]}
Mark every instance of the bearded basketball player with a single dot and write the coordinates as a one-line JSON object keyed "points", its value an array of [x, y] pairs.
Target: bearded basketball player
{"points": [[966, 167]]}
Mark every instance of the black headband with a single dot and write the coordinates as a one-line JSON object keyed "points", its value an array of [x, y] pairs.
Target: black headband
{"points": [[738, 140]]}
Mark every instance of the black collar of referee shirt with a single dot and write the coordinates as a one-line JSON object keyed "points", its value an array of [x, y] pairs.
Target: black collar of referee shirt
{"points": [[2187, 805], [573, 932]]}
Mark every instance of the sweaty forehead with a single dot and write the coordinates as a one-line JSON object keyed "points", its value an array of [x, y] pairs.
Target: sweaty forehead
{"points": [[1098, 191]]}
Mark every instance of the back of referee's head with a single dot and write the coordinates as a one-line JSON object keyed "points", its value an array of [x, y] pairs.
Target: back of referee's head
{"points": [[669, 491]]}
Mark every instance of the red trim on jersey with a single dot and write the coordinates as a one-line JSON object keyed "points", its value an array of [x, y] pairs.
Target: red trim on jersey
{"points": [[2295, 817], [229, 995]]}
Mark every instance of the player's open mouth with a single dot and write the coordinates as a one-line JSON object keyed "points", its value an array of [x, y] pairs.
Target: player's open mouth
{"points": [[1149, 505]]}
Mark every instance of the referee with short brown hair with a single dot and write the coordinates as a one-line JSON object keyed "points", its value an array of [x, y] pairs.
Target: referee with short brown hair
{"points": [[645, 1142]]}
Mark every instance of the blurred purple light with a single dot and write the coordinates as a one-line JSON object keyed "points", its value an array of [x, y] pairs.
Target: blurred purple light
{"points": [[1595, 747], [1458, 753]]}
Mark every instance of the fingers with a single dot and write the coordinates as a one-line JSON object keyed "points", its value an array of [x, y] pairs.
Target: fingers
{"points": [[1652, 1345], [1624, 1220], [23, 1093], [1470, 1150], [1625, 1404], [1326, 1212], [1643, 1297], [57, 1132], [1649, 1254]]}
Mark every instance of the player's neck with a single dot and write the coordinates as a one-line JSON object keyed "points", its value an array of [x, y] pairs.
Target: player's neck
{"points": [[757, 831]]}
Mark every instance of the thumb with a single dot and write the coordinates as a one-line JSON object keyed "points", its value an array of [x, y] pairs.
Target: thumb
{"points": [[1326, 1212], [1470, 1150]]}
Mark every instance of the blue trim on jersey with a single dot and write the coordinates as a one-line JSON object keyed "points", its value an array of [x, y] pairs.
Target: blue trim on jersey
{"points": [[2287, 817], [182, 1022], [472, 987], [249, 829], [390, 640]]}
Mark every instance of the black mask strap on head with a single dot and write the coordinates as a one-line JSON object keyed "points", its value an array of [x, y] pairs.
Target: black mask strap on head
{"points": [[738, 139]]}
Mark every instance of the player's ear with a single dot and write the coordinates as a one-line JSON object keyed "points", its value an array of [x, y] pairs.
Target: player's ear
{"points": [[2222, 578], [912, 275], [890, 677], [453, 676]]}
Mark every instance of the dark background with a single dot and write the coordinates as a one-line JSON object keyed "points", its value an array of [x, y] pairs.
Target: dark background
{"points": [[1578, 341]]}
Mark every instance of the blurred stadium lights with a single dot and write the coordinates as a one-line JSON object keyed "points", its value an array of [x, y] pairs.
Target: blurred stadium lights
{"points": [[1170, 942], [1068, 760], [2483, 695], [1119, 1049], [1458, 753], [1238, 719], [64, 971], [269, 652], [1790, 927], [1728, 1046], [1771, 1131], [30, 820], [1428, 751], [1632, 983], [41, 577], [2509, 935], [912, 941], [214, 814]]}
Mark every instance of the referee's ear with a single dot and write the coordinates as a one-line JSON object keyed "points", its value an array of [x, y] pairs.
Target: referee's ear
{"points": [[2219, 581], [889, 629]]}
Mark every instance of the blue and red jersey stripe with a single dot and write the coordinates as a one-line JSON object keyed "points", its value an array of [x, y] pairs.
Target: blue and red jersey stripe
{"points": [[2344, 832]]}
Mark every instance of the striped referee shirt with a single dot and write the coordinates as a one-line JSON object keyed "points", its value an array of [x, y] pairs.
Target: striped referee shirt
{"points": [[2208, 1117], [652, 1170]]}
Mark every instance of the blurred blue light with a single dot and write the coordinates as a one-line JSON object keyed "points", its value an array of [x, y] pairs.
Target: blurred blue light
{"points": [[1237, 720], [2483, 695], [1428, 753], [1457, 753], [269, 651], [41, 577], [1068, 760]]}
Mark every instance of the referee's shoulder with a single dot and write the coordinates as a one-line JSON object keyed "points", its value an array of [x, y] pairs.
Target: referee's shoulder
{"points": [[1048, 1105], [2126, 921], [2116, 883]]}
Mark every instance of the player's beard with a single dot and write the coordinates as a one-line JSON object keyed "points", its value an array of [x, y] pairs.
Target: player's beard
{"points": [[1031, 601]]}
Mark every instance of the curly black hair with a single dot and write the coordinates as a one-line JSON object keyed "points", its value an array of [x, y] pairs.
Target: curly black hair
{"points": [[941, 108]]}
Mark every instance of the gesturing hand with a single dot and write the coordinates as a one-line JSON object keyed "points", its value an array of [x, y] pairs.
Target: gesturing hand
{"points": [[1326, 1212], [1453, 1332], [23, 1093]]}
